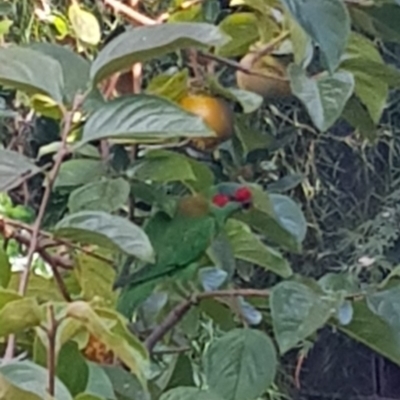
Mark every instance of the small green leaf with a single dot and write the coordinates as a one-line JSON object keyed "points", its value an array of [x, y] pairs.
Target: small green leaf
{"points": [[189, 393], [85, 25], [246, 246], [18, 314], [241, 364], [297, 312], [179, 373], [72, 368], [32, 378], [31, 71], [5, 269], [13, 392], [172, 87], [85, 396], [144, 43], [328, 24], [95, 278], [136, 118], [79, 172], [107, 195], [5, 26], [14, 166], [324, 96], [99, 384], [163, 166], [249, 101], [125, 384], [212, 278], [370, 87], [242, 28], [107, 231]]}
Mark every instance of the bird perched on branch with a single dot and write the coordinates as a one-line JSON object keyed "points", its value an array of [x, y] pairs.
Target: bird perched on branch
{"points": [[181, 240]]}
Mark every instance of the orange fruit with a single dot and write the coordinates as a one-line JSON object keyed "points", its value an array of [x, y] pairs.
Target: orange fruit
{"points": [[97, 351], [215, 113]]}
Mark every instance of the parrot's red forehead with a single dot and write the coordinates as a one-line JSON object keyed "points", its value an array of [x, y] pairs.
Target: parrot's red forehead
{"points": [[242, 195]]}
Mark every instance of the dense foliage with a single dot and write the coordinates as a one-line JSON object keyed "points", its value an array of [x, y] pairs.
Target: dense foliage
{"points": [[175, 221]]}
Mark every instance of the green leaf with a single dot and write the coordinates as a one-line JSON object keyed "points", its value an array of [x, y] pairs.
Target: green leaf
{"points": [[189, 393], [386, 304], [99, 383], [278, 218], [370, 87], [5, 26], [85, 25], [13, 392], [370, 329], [249, 101], [144, 43], [5, 269], [289, 215], [72, 368], [75, 69], [32, 378], [14, 166], [324, 97], [242, 28], [107, 231], [241, 364], [297, 312], [247, 247], [79, 172], [31, 72], [212, 278], [17, 314], [85, 396], [96, 278], [136, 118], [384, 21], [328, 24], [173, 87], [181, 372], [125, 384], [106, 195], [219, 313], [163, 166], [286, 183]]}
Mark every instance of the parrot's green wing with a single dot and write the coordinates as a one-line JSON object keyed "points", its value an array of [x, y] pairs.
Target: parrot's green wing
{"points": [[177, 243]]}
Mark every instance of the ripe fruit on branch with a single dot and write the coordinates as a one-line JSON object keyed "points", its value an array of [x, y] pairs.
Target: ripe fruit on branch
{"points": [[273, 85], [215, 113]]}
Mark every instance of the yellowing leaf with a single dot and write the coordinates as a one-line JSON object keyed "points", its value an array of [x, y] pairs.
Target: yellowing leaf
{"points": [[85, 25]]}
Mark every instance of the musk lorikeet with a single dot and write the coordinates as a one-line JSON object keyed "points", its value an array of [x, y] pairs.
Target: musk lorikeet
{"points": [[181, 240]]}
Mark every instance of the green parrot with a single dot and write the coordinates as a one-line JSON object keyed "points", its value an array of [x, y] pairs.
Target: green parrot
{"points": [[181, 240]]}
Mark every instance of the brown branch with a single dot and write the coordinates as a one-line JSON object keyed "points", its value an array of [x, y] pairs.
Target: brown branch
{"points": [[177, 313], [132, 14], [51, 350]]}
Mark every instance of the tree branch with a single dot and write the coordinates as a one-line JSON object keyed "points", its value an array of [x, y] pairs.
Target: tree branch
{"points": [[177, 313]]}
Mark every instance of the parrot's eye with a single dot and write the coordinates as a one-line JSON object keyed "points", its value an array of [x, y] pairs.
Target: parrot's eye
{"points": [[220, 200]]}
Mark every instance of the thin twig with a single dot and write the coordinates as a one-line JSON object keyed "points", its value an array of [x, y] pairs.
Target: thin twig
{"points": [[51, 350], [178, 312], [132, 14]]}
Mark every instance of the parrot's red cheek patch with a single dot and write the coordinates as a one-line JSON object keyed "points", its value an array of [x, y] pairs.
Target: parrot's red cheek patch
{"points": [[243, 195], [220, 200]]}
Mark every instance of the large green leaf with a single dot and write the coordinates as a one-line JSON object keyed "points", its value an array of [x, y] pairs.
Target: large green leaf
{"points": [[143, 43], [13, 392], [383, 19], [99, 384], [142, 118], [14, 166], [79, 172], [241, 364], [75, 69], [370, 87], [31, 71], [324, 96], [32, 378], [246, 246], [371, 329], [328, 24], [386, 305], [189, 393], [298, 311], [106, 195], [108, 231]]}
